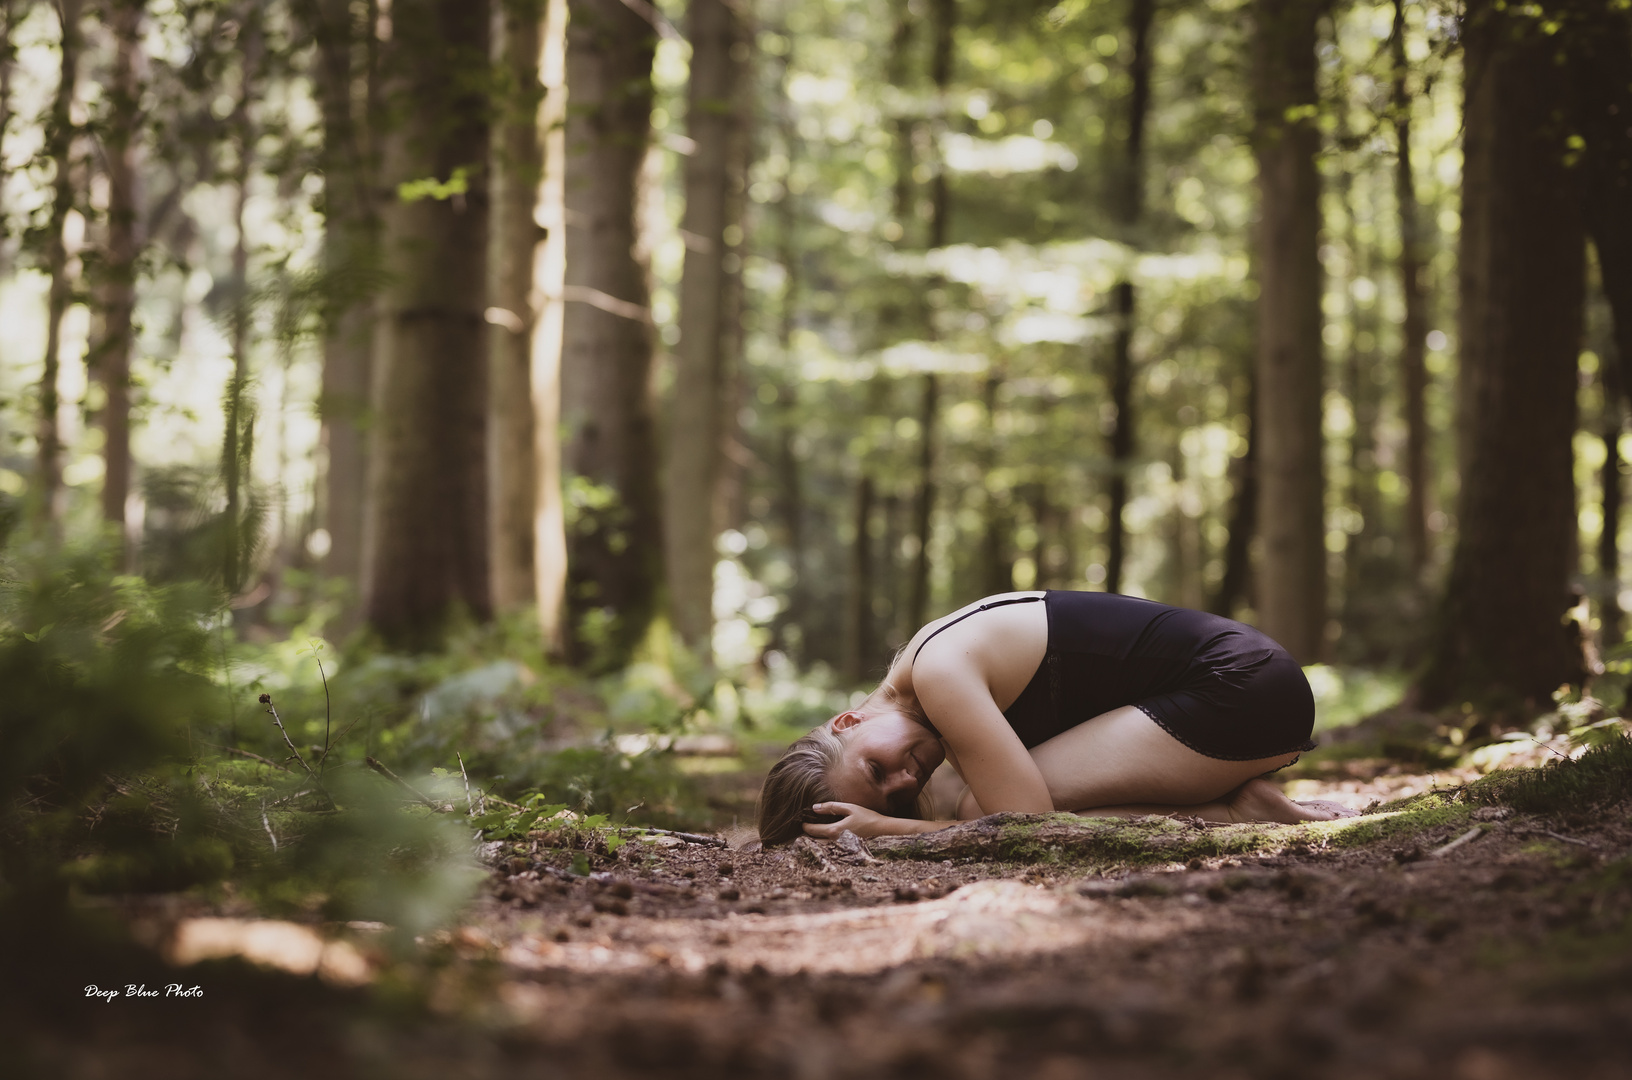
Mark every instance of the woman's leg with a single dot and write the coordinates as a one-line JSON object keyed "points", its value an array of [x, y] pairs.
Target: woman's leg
{"points": [[1122, 763]]}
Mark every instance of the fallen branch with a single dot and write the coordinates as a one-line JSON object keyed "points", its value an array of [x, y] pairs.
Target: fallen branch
{"points": [[1566, 839], [374, 764], [690, 838], [1466, 838], [266, 699]]}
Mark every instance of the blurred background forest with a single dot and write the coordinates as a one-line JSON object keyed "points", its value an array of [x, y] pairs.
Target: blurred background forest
{"points": [[545, 367]]}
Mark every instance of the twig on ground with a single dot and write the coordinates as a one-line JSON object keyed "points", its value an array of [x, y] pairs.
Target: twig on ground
{"points": [[690, 838], [266, 699], [247, 754], [1467, 837], [287, 799], [404, 785], [1566, 839]]}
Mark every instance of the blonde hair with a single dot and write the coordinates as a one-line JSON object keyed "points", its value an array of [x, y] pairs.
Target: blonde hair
{"points": [[799, 780]]}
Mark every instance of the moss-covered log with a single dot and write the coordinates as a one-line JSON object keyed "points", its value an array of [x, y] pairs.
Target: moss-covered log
{"points": [[1052, 838]]}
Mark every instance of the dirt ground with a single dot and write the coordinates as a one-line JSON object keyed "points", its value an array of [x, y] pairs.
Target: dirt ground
{"points": [[1506, 956]]}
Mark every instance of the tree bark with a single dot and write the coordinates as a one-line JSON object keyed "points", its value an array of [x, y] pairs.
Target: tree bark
{"points": [[1611, 423], [614, 548], [428, 551], [1414, 329], [859, 629], [351, 257], [113, 352], [1232, 587], [517, 163], [1291, 514], [996, 573], [237, 441], [1130, 205], [1522, 265], [59, 146], [696, 422], [549, 279]]}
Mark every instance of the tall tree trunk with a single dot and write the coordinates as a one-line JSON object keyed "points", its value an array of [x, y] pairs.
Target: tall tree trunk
{"points": [[1522, 264], [1414, 329], [237, 438], [696, 422], [549, 278], [59, 146], [1232, 587], [1611, 423], [614, 548], [1291, 514], [944, 15], [427, 548], [790, 487], [113, 353], [516, 165], [1130, 205], [351, 257]]}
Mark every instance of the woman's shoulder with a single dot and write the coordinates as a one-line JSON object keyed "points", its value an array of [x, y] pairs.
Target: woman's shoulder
{"points": [[970, 624]]}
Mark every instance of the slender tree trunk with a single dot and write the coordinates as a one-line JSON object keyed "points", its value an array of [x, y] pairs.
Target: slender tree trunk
{"points": [[350, 258], [1291, 515], [614, 547], [1232, 587], [1522, 285], [549, 279], [428, 550], [113, 353], [944, 14], [790, 493], [1130, 208], [60, 138], [1414, 330], [696, 423], [517, 164], [237, 439], [1612, 422]]}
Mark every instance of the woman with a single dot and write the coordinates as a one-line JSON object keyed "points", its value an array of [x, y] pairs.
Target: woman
{"points": [[1091, 702]]}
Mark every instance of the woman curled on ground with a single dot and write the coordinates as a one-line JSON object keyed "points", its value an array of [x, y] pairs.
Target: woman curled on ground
{"points": [[1089, 702]]}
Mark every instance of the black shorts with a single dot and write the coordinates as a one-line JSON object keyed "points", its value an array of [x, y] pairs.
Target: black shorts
{"points": [[1220, 687]]}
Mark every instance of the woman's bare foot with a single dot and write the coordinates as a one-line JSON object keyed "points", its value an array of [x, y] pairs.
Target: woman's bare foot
{"points": [[1260, 800]]}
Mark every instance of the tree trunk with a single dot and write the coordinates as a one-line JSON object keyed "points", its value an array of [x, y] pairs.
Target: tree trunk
{"points": [[516, 165], [1522, 264], [351, 261], [696, 422], [615, 552], [1291, 515], [940, 71], [549, 278], [1612, 421], [113, 353], [237, 440], [996, 572], [59, 146], [1414, 330], [1232, 587], [428, 551], [1130, 205]]}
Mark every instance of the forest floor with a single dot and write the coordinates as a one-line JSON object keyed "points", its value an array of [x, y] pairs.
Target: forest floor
{"points": [[1438, 940]]}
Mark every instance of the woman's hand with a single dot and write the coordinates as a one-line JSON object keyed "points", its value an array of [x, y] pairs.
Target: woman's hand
{"points": [[857, 819]]}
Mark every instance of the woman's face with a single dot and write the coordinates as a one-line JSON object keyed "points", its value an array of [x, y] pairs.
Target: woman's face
{"points": [[887, 760]]}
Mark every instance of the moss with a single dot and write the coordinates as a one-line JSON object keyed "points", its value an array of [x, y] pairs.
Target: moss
{"points": [[1412, 816], [1600, 777]]}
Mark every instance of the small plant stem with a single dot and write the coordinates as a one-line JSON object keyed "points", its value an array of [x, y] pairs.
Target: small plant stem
{"points": [[690, 838], [266, 699], [1467, 837], [326, 712], [404, 785], [470, 806], [267, 823]]}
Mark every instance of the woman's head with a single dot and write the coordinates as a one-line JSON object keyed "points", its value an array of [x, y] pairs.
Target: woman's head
{"points": [[878, 755]]}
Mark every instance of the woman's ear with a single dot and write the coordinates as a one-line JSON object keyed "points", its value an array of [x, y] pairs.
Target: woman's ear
{"points": [[846, 720]]}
